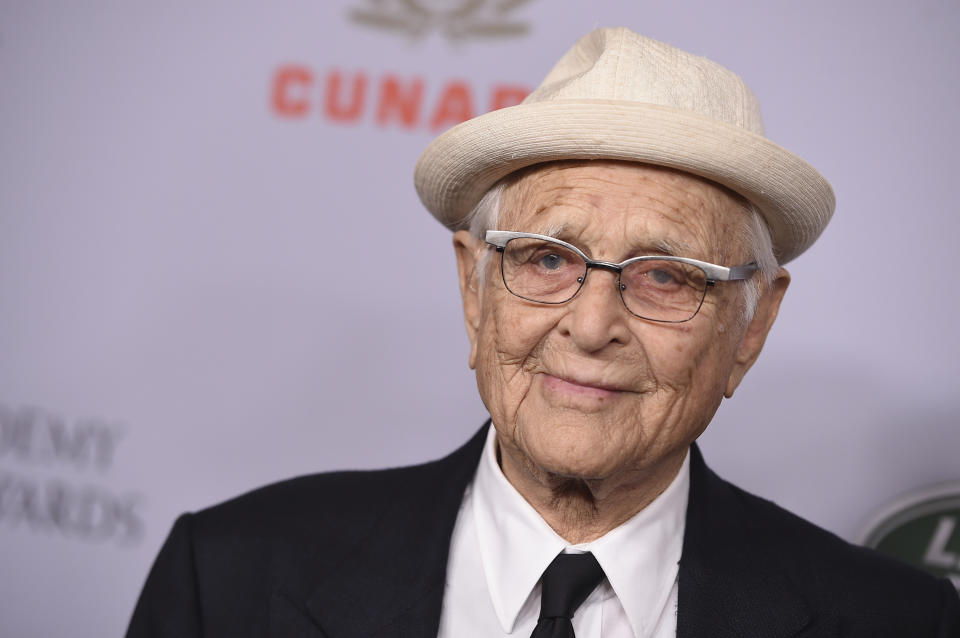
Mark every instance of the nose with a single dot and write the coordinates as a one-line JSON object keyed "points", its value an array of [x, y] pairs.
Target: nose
{"points": [[596, 316]]}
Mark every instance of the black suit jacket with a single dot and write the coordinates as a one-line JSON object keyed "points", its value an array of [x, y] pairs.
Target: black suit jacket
{"points": [[352, 554]]}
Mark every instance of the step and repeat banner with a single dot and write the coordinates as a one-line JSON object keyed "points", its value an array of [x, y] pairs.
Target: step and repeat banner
{"points": [[215, 272]]}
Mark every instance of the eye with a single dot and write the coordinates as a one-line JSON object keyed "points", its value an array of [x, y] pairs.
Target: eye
{"points": [[552, 261], [658, 274], [662, 276]]}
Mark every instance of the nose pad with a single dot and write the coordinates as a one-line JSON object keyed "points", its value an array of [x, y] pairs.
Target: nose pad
{"points": [[617, 283], [613, 271]]}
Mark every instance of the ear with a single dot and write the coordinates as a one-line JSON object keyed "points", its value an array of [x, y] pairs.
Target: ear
{"points": [[467, 256], [766, 313]]}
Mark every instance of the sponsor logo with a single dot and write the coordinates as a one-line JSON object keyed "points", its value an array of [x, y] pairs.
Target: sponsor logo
{"points": [[298, 91], [923, 529], [457, 20]]}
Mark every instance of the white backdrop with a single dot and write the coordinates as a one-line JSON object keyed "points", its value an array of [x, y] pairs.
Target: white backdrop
{"points": [[202, 289]]}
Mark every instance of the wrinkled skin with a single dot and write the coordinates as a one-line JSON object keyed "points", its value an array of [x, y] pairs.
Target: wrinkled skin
{"points": [[595, 408]]}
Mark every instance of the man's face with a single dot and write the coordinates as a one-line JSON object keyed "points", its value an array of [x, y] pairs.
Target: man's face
{"points": [[585, 389]]}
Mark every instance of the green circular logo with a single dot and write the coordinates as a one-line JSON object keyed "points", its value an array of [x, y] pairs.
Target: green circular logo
{"points": [[923, 529]]}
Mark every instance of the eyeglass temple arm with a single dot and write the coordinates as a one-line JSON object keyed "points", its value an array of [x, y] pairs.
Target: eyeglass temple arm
{"points": [[742, 272]]}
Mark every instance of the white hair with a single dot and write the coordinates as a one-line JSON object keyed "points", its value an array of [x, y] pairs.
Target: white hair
{"points": [[485, 216], [752, 234]]}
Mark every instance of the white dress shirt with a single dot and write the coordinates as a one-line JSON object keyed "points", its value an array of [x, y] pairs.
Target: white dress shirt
{"points": [[500, 547]]}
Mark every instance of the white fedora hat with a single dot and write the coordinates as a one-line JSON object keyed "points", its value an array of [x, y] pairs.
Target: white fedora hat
{"points": [[618, 95]]}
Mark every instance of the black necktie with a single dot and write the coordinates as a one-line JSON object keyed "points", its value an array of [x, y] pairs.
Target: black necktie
{"points": [[566, 583]]}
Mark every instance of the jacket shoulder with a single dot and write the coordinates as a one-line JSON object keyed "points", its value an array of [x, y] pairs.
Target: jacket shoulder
{"points": [[222, 568], [318, 505], [866, 590]]}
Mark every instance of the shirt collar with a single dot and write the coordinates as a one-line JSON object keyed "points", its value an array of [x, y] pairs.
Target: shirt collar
{"points": [[639, 557]]}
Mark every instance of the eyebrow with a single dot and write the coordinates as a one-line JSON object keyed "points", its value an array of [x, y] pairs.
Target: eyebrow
{"points": [[670, 247], [659, 245], [554, 230]]}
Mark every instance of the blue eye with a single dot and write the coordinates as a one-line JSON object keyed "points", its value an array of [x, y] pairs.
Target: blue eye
{"points": [[551, 261], [655, 273], [661, 276]]}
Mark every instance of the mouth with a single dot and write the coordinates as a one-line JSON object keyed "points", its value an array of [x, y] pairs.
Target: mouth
{"points": [[579, 388]]}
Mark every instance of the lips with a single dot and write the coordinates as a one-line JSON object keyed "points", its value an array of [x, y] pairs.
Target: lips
{"points": [[581, 388]]}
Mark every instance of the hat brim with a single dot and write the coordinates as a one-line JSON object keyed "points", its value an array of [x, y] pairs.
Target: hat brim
{"points": [[455, 171]]}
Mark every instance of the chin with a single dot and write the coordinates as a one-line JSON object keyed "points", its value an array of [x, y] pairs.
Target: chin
{"points": [[575, 455]]}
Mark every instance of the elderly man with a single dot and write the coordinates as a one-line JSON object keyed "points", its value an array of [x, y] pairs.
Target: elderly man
{"points": [[618, 238]]}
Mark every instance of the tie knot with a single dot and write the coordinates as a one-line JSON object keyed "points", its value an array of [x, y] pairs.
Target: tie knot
{"points": [[567, 582]]}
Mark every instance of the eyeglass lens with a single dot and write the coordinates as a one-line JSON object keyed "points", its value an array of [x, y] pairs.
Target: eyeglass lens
{"points": [[657, 289]]}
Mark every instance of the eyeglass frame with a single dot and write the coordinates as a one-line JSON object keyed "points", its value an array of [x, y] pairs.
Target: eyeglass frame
{"points": [[499, 239]]}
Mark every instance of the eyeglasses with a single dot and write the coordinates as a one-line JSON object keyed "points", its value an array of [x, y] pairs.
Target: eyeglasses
{"points": [[668, 289]]}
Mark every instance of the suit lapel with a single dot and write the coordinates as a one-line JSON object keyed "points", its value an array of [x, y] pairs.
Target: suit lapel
{"points": [[394, 585], [730, 583]]}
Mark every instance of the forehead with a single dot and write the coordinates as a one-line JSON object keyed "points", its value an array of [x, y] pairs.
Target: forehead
{"points": [[615, 208]]}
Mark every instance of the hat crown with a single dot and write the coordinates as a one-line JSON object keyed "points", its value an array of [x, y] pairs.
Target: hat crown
{"points": [[620, 65], [617, 95]]}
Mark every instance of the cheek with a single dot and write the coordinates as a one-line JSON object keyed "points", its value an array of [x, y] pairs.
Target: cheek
{"points": [[672, 351], [511, 337], [689, 359], [511, 330]]}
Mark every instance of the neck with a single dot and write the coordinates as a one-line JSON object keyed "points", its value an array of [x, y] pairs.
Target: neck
{"points": [[582, 510]]}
